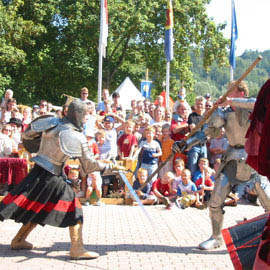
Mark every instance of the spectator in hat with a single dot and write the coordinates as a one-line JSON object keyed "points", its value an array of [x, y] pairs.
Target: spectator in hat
{"points": [[16, 125], [207, 96]]}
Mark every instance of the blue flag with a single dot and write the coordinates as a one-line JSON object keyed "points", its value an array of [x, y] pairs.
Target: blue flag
{"points": [[146, 89], [169, 32], [234, 36]]}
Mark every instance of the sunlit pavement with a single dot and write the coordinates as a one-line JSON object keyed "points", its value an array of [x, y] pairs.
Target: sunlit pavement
{"points": [[125, 239]]}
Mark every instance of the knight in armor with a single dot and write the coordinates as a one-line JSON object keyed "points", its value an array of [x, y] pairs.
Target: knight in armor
{"points": [[43, 197], [234, 117]]}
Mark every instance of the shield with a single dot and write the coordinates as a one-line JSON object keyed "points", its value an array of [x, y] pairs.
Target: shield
{"points": [[243, 239]]}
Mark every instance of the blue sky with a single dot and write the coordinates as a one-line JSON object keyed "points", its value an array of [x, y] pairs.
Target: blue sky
{"points": [[253, 20]]}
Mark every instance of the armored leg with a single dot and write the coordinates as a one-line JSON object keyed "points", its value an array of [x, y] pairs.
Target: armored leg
{"points": [[19, 242], [220, 192], [263, 196], [77, 251]]}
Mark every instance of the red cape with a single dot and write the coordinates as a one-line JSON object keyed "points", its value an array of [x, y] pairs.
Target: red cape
{"points": [[258, 135]]}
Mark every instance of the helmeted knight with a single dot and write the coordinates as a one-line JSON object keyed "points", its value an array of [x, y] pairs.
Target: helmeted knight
{"points": [[233, 169]]}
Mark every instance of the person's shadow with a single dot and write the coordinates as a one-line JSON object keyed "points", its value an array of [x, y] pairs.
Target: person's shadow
{"points": [[103, 250]]}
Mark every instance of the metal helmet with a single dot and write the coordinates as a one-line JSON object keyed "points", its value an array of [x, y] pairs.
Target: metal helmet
{"points": [[76, 111]]}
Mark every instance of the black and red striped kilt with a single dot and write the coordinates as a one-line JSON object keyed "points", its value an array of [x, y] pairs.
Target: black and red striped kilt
{"points": [[42, 198]]}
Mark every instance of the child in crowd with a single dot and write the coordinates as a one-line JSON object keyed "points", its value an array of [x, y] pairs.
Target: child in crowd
{"points": [[179, 166], [166, 145], [187, 192], [158, 133], [127, 142], [162, 188], [150, 151], [73, 178], [205, 186], [203, 164], [94, 183], [144, 194], [218, 146]]}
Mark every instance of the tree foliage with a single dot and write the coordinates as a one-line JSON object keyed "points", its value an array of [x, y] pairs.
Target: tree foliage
{"points": [[51, 47]]}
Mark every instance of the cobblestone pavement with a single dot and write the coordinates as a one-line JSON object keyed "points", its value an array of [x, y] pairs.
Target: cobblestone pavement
{"points": [[125, 239]]}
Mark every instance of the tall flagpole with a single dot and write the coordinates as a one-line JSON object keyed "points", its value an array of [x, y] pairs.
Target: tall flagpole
{"points": [[102, 42], [168, 47], [167, 84], [234, 36]]}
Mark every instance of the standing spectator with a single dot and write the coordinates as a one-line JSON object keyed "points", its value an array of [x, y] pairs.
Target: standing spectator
{"points": [[5, 141], [208, 105], [199, 150], [42, 109], [94, 183], [84, 95], [152, 108], [166, 146], [116, 106], [158, 116], [8, 95], [146, 104], [160, 101], [218, 146], [144, 194], [16, 125], [106, 97], [127, 142], [6, 112], [179, 124], [27, 118], [180, 99], [35, 111], [168, 116], [150, 151]]}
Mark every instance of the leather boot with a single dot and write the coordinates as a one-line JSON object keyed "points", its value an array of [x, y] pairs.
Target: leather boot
{"points": [[18, 241], [77, 251]]}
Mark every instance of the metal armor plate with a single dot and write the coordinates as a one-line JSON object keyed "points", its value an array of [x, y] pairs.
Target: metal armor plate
{"points": [[42, 124], [71, 142]]}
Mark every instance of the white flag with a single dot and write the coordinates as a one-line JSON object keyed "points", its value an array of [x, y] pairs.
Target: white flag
{"points": [[103, 27]]}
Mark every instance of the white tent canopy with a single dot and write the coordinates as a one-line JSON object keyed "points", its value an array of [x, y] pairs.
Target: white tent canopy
{"points": [[128, 91]]}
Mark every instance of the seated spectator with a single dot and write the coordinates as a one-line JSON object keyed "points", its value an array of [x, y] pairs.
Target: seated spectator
{"points": [[203, 165], [187, 192], [144, 194], [162, 188], [179, 166], [218, 146], [127, 143], [166, 146], [5, 141], [73, 178], [94, 183], [205, 184]]}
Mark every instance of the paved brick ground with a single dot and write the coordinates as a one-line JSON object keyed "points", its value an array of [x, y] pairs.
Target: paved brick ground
{"points": [[125, 239]]}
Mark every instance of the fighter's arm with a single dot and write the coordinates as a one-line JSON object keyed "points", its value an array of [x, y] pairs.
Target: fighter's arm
{"points": [[243, 103]]}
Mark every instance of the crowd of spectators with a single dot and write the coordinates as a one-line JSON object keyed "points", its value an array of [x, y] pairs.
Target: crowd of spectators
{"points": [[144, 135]]}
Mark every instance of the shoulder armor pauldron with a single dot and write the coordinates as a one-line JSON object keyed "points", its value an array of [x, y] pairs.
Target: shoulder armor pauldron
{"points": [[43, 124]]}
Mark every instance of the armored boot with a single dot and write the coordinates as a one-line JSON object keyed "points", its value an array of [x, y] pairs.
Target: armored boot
{"points": [[19, 241], [215, 240], [77, 251]]}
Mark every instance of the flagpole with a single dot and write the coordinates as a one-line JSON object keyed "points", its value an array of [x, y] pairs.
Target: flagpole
{"points": [[231, 73], [167, 84], [100, 49]]}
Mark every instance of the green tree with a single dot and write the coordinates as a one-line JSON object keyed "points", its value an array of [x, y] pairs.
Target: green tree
{"points": [[51, 47]]}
